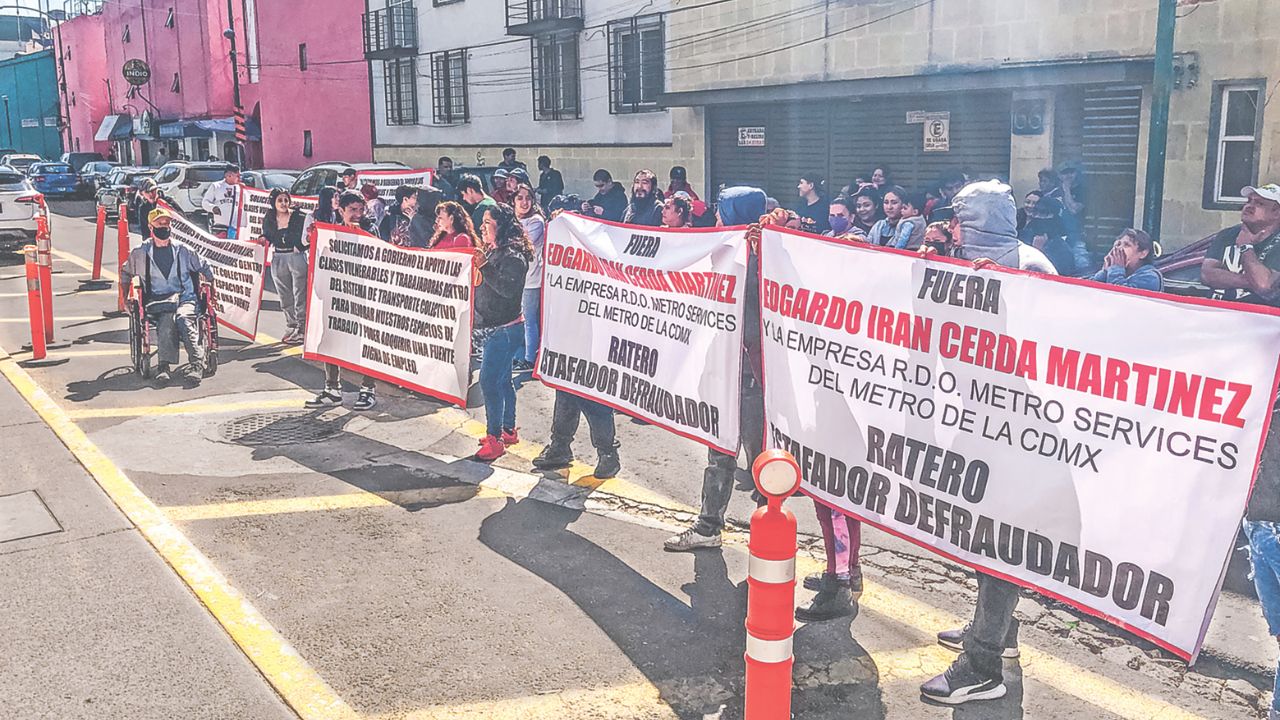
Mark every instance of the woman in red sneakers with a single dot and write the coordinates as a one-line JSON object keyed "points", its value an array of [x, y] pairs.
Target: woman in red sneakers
{"points": [[499, 324]]}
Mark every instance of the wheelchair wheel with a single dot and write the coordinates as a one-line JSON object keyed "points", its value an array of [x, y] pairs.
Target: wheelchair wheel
{"points": [[209, 338], [139, 348]]}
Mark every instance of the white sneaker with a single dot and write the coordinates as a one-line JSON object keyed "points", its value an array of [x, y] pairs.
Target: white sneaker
{"points": [[691, 539], [329, 397]]}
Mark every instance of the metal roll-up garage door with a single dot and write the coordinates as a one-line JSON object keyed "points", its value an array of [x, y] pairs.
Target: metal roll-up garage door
{"points": [[874, 132], [843, 139], [1098, 126]]}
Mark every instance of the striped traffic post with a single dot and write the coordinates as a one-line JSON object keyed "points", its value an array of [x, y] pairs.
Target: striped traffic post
{"points": [[99, 236], [122, 253], [771, 590], [35, 310], [44, 259]]}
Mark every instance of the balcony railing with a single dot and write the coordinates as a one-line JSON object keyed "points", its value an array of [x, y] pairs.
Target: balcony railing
{"points": [[534, 17], [391, 32]]}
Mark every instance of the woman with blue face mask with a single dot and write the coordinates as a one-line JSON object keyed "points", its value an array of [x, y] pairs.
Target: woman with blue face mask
{"points": [[841, 219]]}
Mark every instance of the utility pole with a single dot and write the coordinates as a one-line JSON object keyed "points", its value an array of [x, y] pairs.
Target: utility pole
{"points": [[1158, 133], [241, 135]]}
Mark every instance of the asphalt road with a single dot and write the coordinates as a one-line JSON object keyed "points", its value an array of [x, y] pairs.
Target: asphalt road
{"points": [[221, 553]]}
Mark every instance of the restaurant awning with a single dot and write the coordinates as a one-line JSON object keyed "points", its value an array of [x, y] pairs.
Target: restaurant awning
{"points": [[206, 128], [114, 127]]}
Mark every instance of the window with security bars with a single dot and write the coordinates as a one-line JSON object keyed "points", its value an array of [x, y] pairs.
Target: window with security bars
{"points": [[401, 84], [636, 64], [556, 82], [449, 87]]}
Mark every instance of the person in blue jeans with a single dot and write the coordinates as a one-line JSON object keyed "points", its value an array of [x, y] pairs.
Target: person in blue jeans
{"points": [[499, 323]]}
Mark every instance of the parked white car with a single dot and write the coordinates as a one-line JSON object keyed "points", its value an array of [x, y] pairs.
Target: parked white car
{"points": [[19, 205], [20, 161], [187, 182]]}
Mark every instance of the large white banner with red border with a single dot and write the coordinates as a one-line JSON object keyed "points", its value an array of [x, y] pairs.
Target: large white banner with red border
{"points": [[388, 180], [253, 205], [1094, 443], [402, 315], [647, 321], [238, 273]]}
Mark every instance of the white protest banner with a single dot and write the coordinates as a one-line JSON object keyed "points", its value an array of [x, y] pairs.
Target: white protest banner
{"points": [[238, 272], [402, 315], [1094, 443], [253, 205], [388, 180], [647, 321]]}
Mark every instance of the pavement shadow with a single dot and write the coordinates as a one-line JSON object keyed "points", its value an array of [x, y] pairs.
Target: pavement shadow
{"points": [[650, 626], [119, 379], [394, 403]]}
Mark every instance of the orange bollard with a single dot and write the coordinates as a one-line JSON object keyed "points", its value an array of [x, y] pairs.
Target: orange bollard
{"points": [[100, 234], [771, 590], [35, 304], [44, 258], [122, 252]]}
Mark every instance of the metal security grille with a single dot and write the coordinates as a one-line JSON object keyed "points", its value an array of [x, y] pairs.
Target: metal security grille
{"points": [[637, 64], [1098, 126], [401, 83], [284, 428], [391, 29], [449, 87], [556, 81]]}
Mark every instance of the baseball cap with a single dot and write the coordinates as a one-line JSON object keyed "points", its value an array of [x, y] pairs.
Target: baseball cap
{"points": [[157, 214], [501, 173], [1270, 191], [519, 174], [148, 184]]}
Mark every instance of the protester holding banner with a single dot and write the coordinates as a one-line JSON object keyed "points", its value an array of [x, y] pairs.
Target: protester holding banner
{"points": [[867, 209], [423, 225], [166, 275], [499, 326], [813, 208], [737, 206], [326, 210], [535, 226], [283, 230], [985, 226], [645, 207], [454, 230], [1132, 262], [351, 205], [375, 207], [677, 210], [221, 200]]}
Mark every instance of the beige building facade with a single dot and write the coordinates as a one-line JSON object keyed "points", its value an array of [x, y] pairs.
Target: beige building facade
{"points": [[989, 87]]}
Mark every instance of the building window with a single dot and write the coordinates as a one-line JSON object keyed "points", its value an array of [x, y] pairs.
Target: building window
{"points": [[636, 64], [449, 87], [169, 21], [400, 77], [556, 93], [125, 36], [176, 86], [1231, 163], [302, 56], [73, 99], [306, 143]]}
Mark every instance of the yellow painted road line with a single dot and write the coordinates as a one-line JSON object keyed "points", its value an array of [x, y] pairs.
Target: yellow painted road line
{"points": [[296, 682], [193, 408], [1037, 665], [58, 318], [631, 701], [81, 262], [324, 503], [81, 353]]}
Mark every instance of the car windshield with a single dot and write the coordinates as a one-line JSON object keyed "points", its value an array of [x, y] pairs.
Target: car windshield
{"points": [[277, 180], [135, 178], [10, 181], [22, 161], [205, 175]]}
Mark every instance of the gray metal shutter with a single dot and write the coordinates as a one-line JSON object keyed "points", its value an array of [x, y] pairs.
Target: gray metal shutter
{"points": [[1112, 117], [796, 143]]}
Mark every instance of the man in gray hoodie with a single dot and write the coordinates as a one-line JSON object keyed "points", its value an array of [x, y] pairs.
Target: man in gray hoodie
{"points": [[985, 227]]}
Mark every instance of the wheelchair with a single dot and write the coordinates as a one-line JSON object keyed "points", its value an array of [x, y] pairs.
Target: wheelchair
{"points": [[142, 333]]}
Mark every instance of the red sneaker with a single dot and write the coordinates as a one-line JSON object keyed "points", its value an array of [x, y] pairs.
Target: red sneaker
{"points": [[509, 437], [491, 448]]}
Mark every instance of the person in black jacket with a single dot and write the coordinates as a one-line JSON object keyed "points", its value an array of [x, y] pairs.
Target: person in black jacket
{"points": [[396, 223], [645, 207], [148, 197], [550, 182], [610, 202], [499, 324], [282, 227]]}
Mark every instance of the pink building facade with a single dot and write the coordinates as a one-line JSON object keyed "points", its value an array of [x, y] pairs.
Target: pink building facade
{"points": [[84, 57], [307, 82]]}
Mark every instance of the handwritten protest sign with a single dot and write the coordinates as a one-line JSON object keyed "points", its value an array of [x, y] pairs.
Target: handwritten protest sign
{"points": [[400, 315], [1096, 444], [253, 206], [388, 180], [237, 273], [648, 321]]}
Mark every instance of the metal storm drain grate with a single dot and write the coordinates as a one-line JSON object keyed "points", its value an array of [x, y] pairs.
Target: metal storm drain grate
{"points": [[285, 428]]}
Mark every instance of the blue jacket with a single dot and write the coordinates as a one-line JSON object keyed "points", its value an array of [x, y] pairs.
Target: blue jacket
{"points": [[180, 280], [1146, 277]]}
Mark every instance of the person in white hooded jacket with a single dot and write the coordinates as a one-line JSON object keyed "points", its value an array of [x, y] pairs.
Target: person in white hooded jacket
{"points": [[220, 202], [985, 231]]}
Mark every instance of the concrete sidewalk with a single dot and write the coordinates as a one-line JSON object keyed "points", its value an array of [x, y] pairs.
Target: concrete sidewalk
{"points": [[96, 625]]}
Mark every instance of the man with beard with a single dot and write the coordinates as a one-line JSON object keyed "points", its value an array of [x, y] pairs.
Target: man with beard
{"points": [[646, 205]]}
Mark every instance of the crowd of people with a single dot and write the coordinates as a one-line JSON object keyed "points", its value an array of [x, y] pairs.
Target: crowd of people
{"points": [[505, 223]]}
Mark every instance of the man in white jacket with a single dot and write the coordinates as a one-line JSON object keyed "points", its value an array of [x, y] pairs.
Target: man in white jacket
{"points": [[220, 202]]}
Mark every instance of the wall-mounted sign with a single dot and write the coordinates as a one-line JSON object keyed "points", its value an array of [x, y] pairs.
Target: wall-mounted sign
{"points": [[1028, 117], [137, 72], [31, 122], [51, 122], [937, 135], [915, 117], [750, 137]]}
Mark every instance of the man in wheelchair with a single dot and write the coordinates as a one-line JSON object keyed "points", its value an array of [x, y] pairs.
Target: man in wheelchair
{"points": [[166, 275]]}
